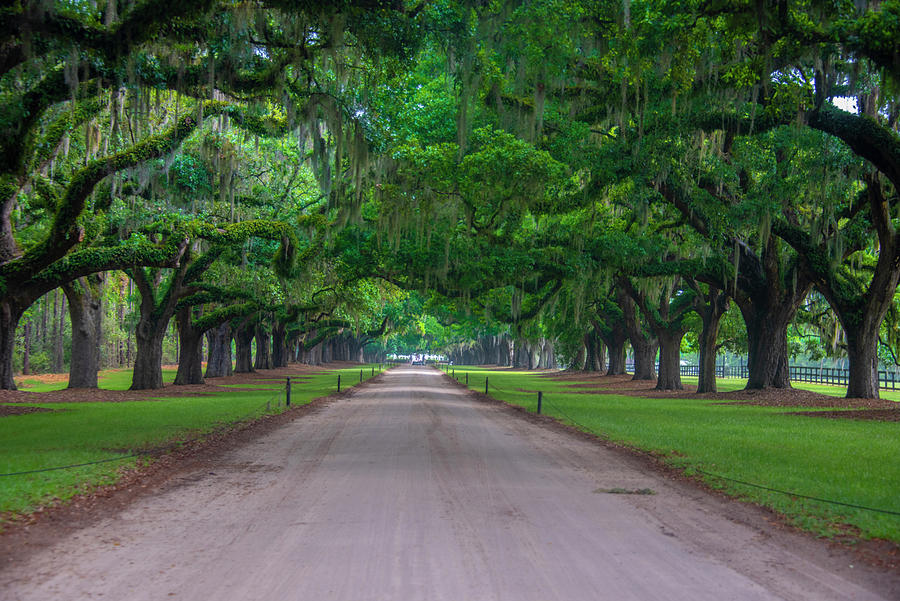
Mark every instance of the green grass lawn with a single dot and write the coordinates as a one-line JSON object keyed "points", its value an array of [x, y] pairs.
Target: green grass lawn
{"points": [[76, 433], [730, 384], [851, 461], [108, 379]]}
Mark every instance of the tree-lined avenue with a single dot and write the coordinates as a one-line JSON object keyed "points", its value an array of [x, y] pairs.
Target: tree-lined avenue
{"points": [[412, 488]]}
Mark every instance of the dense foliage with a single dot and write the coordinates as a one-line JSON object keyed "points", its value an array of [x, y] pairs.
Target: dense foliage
{"points": [[529, 183]]}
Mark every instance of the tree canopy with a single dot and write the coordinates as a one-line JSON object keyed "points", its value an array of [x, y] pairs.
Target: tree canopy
{"points": [[533, 183]]}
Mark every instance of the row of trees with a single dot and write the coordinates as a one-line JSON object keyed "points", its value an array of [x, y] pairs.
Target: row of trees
{"points": [[577, 176], [708, 159], [170, 142]]}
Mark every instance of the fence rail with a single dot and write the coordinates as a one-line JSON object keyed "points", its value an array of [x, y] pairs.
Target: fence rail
{"points": [[889, 380]]}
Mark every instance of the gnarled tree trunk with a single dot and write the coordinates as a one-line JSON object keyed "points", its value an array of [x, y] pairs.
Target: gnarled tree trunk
{"points": [[612, 333], [616, 365], [218, 361], [263, 355], [643, 344], [767, 360], [578, 359], [279, 348], [190, 362], [243, 348], [10, 314], [711, 313], [595, 357], [86, 314], [670, 360], [148, 359], [768, 296], [862, 344]]}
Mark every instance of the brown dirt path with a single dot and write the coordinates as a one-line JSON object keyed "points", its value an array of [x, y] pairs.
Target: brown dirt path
{"points": [[412, 488]]}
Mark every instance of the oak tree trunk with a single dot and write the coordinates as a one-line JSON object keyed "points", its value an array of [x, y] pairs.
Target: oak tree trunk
{"points": [[86, 314], [862, 345], [590, 350], [767, 360], [644, 358], [711, 312], [578, 360], [614, 337], [190, 344], [148, 359], [670, 360], [279, 348], [707, 368], [218, 361], [243, 349], [616, 349], [643, 344], [10, 313]]}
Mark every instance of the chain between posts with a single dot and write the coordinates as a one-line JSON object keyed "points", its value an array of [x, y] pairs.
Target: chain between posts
{"points": [[719, 476], [263, 407]]}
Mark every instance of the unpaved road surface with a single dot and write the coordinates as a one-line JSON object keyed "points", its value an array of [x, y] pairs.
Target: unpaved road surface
{"points": [[410, 489]]}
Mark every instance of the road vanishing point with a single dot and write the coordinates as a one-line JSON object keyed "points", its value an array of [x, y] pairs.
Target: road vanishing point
{"points": [[411, 488]]}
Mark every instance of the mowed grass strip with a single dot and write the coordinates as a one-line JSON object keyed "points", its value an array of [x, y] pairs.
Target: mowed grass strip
{"points": [[85, 432], [108, 379], [851, 461]]}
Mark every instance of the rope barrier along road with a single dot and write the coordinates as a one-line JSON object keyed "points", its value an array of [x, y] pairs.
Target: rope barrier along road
{"points": [[798, 495], [744, 482], [149, 452], [553, 405]]}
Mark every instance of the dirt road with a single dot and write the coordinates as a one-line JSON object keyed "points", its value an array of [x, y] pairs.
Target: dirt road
{"points": [[409, 489]]}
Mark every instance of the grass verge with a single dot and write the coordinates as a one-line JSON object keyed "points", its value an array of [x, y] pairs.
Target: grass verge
{"points": [[850, 461], [88, 432]]}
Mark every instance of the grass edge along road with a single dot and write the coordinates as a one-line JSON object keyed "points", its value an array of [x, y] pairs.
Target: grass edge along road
{"points": [[112, 437], [844, 460]]}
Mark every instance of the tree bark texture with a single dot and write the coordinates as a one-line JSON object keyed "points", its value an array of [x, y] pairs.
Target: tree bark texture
{"points": [[616, 357], [218, 361], [595, 353], [85, 297], [862, 345], [148, 359], [279, 346], [10, 314], [612, 333], [643, 344], [670, 360], [243, 349], [711, 313], [149, 335], [190, 341], [767, 354]]}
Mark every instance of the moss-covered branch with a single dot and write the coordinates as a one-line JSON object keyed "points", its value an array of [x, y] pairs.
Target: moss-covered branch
{"points": [[45, 148], [148, 20], [65, 231], [93, 260], [869, 139], [713, 270], [217, 317], [320, 337]]}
